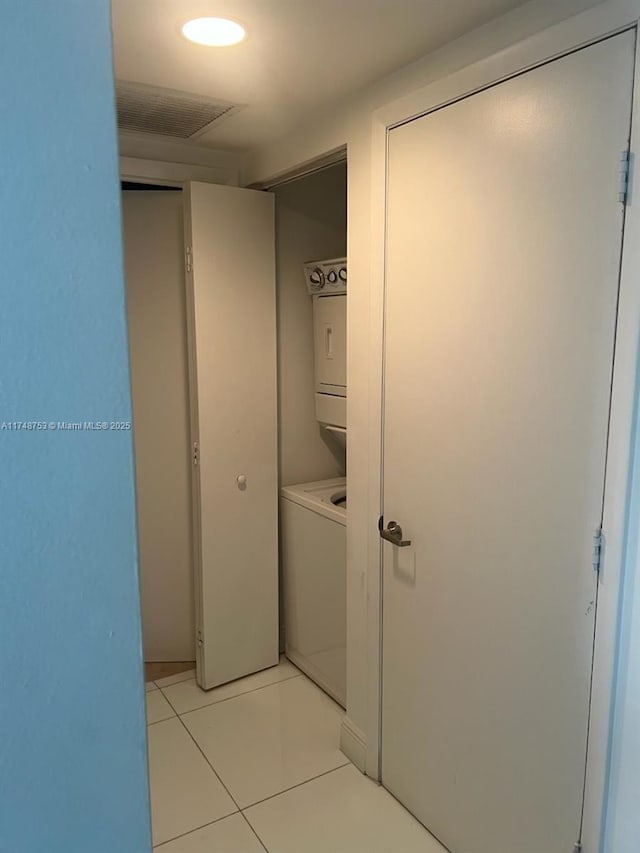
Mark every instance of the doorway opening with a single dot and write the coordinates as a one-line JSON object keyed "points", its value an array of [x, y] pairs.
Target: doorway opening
{"points": [[186, 423], [153, 230], [310, 225]]}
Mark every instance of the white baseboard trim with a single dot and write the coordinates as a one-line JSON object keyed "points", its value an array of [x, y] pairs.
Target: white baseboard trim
{"points": [[353, 743]]}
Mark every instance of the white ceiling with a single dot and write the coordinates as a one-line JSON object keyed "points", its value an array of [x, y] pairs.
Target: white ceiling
{"points": [[300, 56]]}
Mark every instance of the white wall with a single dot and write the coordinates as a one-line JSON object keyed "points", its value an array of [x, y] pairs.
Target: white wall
{"points": [[209, 164], [350, 123], [311, 224], [154, 252]]}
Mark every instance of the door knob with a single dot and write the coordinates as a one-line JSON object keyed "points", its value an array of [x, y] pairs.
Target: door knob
{"points": [[393, 534]]}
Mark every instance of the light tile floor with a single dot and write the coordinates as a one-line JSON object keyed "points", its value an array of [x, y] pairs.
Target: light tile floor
{"points": [[255, 765]]}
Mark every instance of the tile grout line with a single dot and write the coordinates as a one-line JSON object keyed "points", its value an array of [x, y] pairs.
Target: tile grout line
{"points": [[195, 829], [414, 818], [175, 675], [239, 810], [173, 683], [293, 787], [233, 799], [165, 720], [215, 773], [261, 842], [219, 702], [228, 698]]}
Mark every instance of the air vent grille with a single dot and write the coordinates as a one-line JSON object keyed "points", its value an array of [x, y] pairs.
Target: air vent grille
{"points": [[166, 112]]}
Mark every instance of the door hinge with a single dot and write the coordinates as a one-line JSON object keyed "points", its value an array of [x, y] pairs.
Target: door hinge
{"points": [[598, 540], [577, 847], [196, 453], [625, 169], [199, 638], [189, 258]]}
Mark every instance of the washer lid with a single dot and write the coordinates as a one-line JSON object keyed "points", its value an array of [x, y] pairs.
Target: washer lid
{"points": [[319, 496]]}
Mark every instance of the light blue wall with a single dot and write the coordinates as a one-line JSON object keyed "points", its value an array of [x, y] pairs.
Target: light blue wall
{"points": [[72, 732], [623, 809]]}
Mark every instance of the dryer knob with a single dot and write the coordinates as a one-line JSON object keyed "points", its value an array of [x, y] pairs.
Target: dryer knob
{"points": [[316, 278], [332, 277], [343, 274]]}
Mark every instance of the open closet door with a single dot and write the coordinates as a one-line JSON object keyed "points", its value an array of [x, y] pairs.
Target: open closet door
{"points": [[230, 249]]}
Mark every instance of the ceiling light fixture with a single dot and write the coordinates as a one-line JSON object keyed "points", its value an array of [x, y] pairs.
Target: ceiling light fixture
{"points": [[214, 32]]}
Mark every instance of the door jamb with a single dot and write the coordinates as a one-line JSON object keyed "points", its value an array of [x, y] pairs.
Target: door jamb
{"points": [[606, 19], [163, 173]]}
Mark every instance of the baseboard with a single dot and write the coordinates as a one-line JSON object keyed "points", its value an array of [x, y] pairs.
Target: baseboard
{"points": [[353, 743]]}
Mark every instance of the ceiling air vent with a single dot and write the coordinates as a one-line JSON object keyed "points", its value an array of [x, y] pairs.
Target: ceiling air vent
{"points": [[166, 112]]}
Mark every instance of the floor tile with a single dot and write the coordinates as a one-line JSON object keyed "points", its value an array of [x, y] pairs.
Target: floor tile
{"points": [[263, 742], [177, 678], [187, 696], [342, 812], [150, 685], [229, 835], [185, 792], [157, 707]]}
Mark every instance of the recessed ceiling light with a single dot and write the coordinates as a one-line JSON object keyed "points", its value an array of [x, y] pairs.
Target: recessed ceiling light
{"points": [[214, 32]]}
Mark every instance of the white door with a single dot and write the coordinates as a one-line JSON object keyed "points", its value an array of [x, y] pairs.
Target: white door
{"points": [[504, 241], [231, 288]]}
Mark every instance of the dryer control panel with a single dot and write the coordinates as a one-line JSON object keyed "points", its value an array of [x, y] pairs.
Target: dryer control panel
{"points": [[326, 278]]}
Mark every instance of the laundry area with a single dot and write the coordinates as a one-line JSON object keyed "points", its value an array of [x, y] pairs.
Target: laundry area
{"points": [[382, 350], [320, 428], [286, 580], [299, 343]]}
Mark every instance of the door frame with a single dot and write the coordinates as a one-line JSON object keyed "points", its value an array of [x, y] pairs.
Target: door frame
{"points": [[607, 19], [165, 173], [181, 176]]}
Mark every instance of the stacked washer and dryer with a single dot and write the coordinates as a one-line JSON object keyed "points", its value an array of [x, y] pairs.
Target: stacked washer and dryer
{"points": [[314, 515]]}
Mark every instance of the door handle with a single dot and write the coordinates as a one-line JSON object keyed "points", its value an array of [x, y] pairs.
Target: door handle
{"points": [[393, 534]]}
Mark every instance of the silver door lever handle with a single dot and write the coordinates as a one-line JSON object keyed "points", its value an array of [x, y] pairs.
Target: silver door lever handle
{"points": [[393, 534]]}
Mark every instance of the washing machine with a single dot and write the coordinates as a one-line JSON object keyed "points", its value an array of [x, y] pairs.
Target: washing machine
{"points": [[313, 519]]}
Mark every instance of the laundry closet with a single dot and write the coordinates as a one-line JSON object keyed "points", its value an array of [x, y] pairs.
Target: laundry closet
{"points": [[312, 281], [238, 362]]}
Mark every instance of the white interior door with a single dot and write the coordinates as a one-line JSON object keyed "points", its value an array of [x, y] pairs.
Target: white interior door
{"points": [[230, 233], [504, 240]]}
